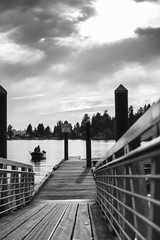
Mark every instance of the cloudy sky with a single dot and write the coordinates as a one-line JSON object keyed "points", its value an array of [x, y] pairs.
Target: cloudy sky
{"points": [[60, 59]]}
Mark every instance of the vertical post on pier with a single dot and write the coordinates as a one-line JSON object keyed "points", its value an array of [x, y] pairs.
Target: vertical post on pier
{"points": [[3, 122], [121, 111], [66, 128], [88, 145], [66, 145]]}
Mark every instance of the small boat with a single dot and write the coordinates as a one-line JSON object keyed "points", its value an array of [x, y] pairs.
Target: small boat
{"points": [[38, 155]]}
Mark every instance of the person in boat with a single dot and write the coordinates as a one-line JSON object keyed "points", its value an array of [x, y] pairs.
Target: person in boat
{"points": [[37, 149]]}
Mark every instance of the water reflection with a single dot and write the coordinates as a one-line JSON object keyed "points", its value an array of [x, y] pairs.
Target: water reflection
{"points": [[36, 164]]}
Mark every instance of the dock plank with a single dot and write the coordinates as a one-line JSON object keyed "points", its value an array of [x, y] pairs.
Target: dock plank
{"points": [[76, 221], [47, 226], [8, 228], [15, 214], [82, 228], [65, 228], [26, 227]]}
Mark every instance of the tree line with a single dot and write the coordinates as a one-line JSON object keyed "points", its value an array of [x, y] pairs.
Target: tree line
{"points": [[102, 127]]}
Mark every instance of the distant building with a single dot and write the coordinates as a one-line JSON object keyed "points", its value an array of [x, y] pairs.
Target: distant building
{"points": [[19, 134]]}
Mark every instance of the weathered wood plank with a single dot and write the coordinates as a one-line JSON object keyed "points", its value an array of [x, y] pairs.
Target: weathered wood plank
{"points": [[65, 228], [18, 229], [59, 221], [48, 225], [82, 228], [6, 219]]}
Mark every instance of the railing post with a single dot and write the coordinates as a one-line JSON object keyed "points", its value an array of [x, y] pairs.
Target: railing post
{"points": [[155, 194], [121, 111], [22, 186], [14, 190], [88, 145], [3, 122], [4, 190]]}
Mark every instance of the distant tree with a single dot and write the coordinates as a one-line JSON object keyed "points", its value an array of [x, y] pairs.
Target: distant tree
{"points": [[77, 130], [58, 131], [29, 130], [146, 107], [85, 118], [97, 123], [73, 134], [131, 116], [47, 132], [77, 126], [10, 131], [107, 121], [83, 125], [54, 131], [35, 133], [107, 133], [141, 111], [40, 130]]}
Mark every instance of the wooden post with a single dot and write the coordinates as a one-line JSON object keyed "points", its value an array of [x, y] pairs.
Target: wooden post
{"points": [[88, 145], [3, 122], [121, 111], [66, 145]]}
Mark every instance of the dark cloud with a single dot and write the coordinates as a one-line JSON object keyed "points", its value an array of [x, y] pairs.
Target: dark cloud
{"points": [[18, 71], [29, 21], [99, 61], [38, 27], [7, 4], [86, 12], [154, 1], [154, 33], [29, 4]]}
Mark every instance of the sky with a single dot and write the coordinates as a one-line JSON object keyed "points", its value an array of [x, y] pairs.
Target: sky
{"points": [[60, 59]]}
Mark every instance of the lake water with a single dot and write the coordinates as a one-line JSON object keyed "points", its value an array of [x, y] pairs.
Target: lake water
{"points": [[18, 150]]}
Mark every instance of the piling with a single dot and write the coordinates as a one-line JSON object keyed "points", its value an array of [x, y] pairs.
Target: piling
{"points": [[66, 145], [121, 111], [3, 122], [88, 145]]}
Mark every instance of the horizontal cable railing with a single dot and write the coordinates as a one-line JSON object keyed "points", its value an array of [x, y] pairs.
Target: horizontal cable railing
{"points": [[16, 185], [128, 180]]}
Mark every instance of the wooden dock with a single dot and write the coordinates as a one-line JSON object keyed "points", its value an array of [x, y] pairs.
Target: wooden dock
{"points": [[71, 180], [64, 209]]}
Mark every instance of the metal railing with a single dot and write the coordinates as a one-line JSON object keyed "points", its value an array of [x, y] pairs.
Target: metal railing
{"points": [[128, 180], [16, 185]]}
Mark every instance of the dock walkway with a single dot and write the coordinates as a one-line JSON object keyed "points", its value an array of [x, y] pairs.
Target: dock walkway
{"points": [[71, 180], [64, 209]]}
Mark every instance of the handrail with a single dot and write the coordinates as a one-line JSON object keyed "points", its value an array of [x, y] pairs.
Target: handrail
{"points": [[146, 127], [15, 164], [128, 180], [144, 151], [16, 185]]}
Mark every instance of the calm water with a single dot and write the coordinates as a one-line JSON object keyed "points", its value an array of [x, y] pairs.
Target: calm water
{"points": [[18, 150]]}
